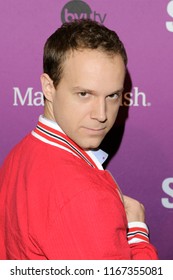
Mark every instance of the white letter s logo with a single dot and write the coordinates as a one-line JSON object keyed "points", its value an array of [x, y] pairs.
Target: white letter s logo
{"points": [[166, 187], [169, 24]]}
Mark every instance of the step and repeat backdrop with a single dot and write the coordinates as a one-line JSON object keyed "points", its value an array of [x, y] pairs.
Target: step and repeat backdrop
{"points": [[141, 143]]}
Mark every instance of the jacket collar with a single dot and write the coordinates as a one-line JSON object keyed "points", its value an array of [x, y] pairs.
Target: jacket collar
{"points": [[49, 131]]}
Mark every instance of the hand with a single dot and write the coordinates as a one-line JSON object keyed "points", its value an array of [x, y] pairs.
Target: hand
{"points": [[135, 211]]}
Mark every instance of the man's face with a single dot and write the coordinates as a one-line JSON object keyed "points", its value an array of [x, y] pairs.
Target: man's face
{"points": [[86, 102]]}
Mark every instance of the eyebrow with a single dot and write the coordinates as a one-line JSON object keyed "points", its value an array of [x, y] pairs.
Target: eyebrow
{"points": [[118, 91], [78, 88]]}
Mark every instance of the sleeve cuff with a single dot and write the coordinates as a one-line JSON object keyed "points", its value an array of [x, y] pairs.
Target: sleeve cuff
{"points": [[137, 232]]}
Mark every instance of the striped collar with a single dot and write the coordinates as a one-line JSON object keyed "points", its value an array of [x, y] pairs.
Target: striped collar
{"points": [[50, 133]]}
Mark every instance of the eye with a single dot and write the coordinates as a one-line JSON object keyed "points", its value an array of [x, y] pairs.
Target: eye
{"points": [[115, 96], [83, 94]]}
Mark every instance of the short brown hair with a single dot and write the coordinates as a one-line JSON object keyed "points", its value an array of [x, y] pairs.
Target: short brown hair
{"points": [[78, 34]]}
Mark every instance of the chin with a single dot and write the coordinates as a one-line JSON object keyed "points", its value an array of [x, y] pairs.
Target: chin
{"points": [[89, 144], [91, 147]]}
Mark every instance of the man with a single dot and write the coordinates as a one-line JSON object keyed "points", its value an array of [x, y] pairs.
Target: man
{"points": [[57, 202]]}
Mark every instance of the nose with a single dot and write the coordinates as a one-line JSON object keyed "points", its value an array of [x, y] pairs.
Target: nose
{"points": [[98, 111]]}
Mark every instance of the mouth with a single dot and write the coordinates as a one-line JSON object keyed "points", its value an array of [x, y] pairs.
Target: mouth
{"points": [[96, 131]]}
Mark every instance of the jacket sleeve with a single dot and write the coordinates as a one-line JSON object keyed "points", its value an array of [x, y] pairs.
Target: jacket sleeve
{"points": [[138, 239], [91, 225]]}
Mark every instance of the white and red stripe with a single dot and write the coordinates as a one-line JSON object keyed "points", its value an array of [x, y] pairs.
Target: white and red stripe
{"points": [[137, 232], [57, 138]]}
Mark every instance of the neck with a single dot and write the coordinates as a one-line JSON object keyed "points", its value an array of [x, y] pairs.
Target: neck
{"points": [[48, 111]]}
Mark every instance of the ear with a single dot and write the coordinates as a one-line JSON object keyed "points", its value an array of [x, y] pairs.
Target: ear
{"points": [[47, 86]]}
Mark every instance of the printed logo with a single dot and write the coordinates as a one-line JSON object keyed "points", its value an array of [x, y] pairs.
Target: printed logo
{"points": [[169, 24], [30, 97], [78, 9], [135, 98], [167, 187]]}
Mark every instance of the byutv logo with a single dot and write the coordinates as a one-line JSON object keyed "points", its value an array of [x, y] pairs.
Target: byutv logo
{"points": [[78, 9]]}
